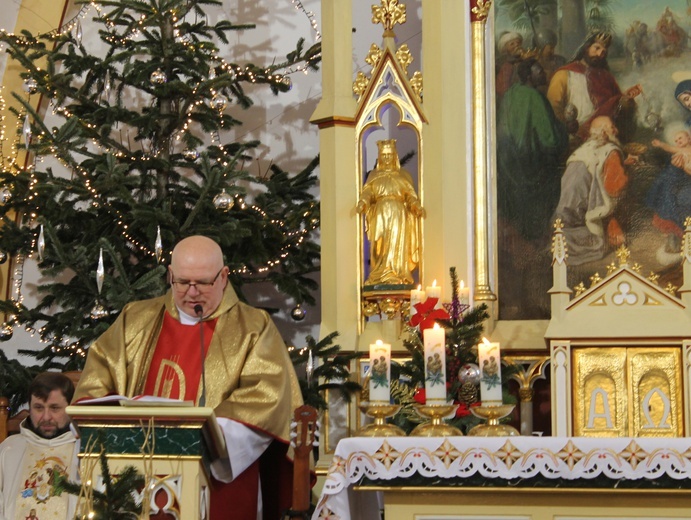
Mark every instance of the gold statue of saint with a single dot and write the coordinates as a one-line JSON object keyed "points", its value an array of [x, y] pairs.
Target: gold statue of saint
{"points": [[392, 219]]}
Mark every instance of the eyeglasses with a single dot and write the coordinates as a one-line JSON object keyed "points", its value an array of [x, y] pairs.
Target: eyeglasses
{"points": [[184, 285]]}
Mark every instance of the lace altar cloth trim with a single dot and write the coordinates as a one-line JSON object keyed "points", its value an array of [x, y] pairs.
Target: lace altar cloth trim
{"points": [[499, 458]]}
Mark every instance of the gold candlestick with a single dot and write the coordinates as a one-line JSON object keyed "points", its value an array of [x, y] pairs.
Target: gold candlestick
{"points": [[379, 411], [435, 427], [492, 414]]}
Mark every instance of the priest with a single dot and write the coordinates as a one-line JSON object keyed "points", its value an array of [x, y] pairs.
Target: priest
{"points": [[243, 371]]}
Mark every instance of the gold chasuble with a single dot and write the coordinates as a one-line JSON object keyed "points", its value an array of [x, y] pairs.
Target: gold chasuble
{"points": [[249, 378], [175, 370]]}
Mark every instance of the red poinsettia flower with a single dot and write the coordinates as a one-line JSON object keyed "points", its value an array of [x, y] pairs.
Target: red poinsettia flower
{"points": [[425, 314]]}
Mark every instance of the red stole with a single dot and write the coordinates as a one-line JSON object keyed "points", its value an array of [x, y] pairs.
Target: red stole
{"points": [[175, 369]]}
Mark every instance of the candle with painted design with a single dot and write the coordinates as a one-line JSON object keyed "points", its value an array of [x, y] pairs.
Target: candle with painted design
{"points": [[380, 371], [434, 341], [434, 291], [416, 296], [490, 369]]}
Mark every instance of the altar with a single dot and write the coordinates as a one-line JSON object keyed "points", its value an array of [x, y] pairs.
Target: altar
{"points": [[516, 478]]}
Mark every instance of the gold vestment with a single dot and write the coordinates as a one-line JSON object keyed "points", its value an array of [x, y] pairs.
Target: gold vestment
{"points": [[249, 375]]}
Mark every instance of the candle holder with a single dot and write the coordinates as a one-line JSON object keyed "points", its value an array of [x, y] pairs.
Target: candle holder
{"points": [[492, 414], [435, 427], [379, 411]]}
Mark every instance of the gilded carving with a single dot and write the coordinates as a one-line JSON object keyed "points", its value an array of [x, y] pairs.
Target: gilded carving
{"points": [[374, 55], [623, 255], [481, 9], [579, 289], [416, 84], [595, 279], [389, 14], [360, 84], [404, 57]]}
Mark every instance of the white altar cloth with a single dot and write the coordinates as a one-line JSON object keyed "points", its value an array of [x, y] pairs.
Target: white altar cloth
{"points": [[383, 459]]}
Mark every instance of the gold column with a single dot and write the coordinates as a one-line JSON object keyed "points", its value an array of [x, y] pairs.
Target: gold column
{"points": [[479, 10]]}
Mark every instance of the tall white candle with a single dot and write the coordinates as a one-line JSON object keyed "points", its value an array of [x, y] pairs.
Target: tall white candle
{"points": [[434, 291], [434, 340], [490, 368], [380, 371], [416, 296], [464, 294]]}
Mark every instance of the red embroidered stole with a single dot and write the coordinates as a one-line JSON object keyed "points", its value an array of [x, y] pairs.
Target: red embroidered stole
{"points": [[175, 369]]}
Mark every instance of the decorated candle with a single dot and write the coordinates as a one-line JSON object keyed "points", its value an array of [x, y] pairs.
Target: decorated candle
{"points": [[434, 291], [380, 371], [464, 294], [416, 296], [434, 340], [490, 369]]}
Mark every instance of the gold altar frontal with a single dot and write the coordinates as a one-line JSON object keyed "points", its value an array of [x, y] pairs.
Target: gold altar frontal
{"points": [[454, 503]]}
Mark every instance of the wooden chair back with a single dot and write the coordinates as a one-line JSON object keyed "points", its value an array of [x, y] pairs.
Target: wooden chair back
{"points": [[303, 437]]}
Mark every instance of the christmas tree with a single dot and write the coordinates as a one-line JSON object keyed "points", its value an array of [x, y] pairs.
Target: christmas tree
{"points": [[140, 151]]}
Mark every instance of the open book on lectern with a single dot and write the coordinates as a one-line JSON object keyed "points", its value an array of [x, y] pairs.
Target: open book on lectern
{"points": [[139, 400]]}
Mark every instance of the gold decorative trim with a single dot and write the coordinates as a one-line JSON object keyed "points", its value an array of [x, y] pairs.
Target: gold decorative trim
{"points": [[483, 290], [139, 456]]}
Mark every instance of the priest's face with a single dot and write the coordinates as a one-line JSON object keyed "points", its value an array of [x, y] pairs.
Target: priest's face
{"points": [[198, 276], [49, 416]]}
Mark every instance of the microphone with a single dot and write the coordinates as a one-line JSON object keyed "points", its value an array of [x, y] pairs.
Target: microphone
{"points": [[199, 311]]}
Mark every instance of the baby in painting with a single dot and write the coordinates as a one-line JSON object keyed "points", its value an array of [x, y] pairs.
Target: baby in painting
{"points": [[681, 149]]}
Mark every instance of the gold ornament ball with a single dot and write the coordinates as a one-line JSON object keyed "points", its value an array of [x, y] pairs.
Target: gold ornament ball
{"points": [[98, 312], [31, 85], [190, 154], [298, 313], [158, 77], [6, 332], [5, 196], [224, 201], [219, 102]]}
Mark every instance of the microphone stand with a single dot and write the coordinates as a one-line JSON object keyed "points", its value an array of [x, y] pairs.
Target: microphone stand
{"points": [[199, 311]]}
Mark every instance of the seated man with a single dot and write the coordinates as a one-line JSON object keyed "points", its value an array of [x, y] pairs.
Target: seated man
{"points": [[45, 447], [154, 348]]}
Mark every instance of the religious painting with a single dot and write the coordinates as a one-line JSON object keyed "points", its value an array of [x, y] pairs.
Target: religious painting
{"points": [[592, 103]]}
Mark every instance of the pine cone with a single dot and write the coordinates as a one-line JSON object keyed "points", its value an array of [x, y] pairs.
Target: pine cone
{"points": [[468, 393]]}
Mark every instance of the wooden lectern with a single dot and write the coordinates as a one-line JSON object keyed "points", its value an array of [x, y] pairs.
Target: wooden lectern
{"points": [[174, 444]]}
